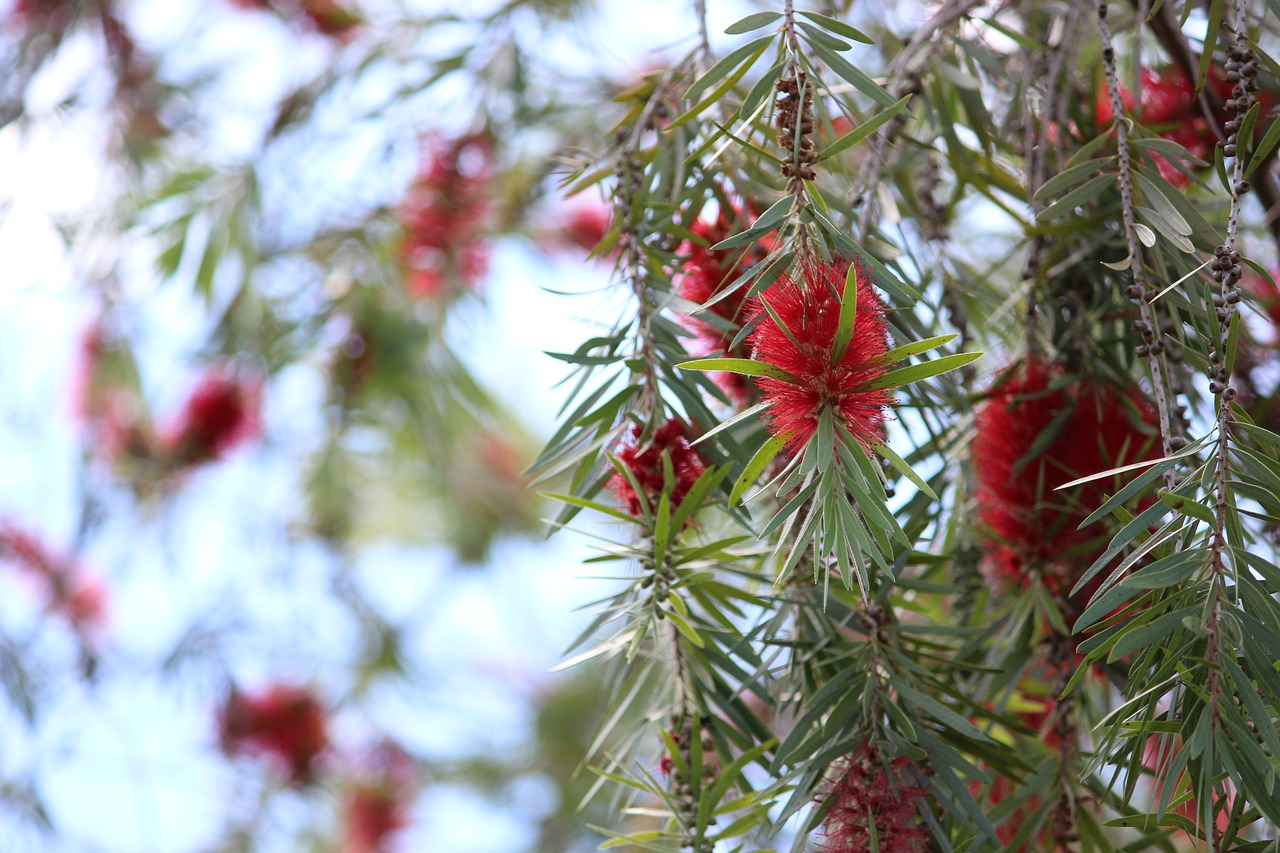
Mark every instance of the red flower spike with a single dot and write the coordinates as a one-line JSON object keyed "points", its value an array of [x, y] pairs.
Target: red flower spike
{"points": [[706, 272], [584, 223], [1028, 528], [1167, 104], [645, 463], [376, 805], [867, 788], [221, 414], [82, 600], [77, 596], [809, 308], [285, 724], [445, 215]]}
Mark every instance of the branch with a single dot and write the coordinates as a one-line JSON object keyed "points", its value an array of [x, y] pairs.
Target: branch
{"points": [[1138, 291]]}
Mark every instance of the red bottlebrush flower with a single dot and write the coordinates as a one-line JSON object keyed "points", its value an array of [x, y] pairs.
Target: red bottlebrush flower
{"points": [[376, 805], [705, 273], [286, 724], [809, 308], [867, 787], [446, 213], [78, 597], [221, 414], [82, 600], [1028, 528], [583, 224], [28, 551], [1167, 104], [645, 463]]}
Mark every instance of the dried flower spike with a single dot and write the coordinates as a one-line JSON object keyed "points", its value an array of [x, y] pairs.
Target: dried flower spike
{"points": [[801, 341]]}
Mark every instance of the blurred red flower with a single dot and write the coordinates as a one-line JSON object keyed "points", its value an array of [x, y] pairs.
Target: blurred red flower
{"points": [[583, 223], [221, 414], [1028, 529], [802, 344], [376, 805], [645, 462], [703, 274], [1167, 104], [285, 723], [74, 594], [446, 215]]}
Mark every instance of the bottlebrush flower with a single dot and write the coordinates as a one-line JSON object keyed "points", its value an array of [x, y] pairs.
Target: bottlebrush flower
{"points": [[284, 723], [82, 600], [376, 805], [1167, 104], [809, 308], [583, 223], [645, 462], [1028, 529], [868, 788], [704, 273], [221, 414], [77, 596], [446, 213]]}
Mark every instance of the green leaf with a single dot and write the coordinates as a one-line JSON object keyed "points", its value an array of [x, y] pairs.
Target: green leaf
{"points": [[817, 36], [752, 22], [757, 93], [574, 500], [838, 27], [904, 469], [916, 347], [863, 130], [662, 527], [1188, 506], [768, 221], [826, 437], [848, 315], [721, 69], [940, 712], [758, 463], [1068, 203], [1071, 176], [1265, 147], [916, 372], [744, 366], [697, 493], [716, 94], [850, 74]]}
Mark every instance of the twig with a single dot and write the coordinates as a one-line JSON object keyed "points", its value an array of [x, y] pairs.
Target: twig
{"points": [[1138, 291]]}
